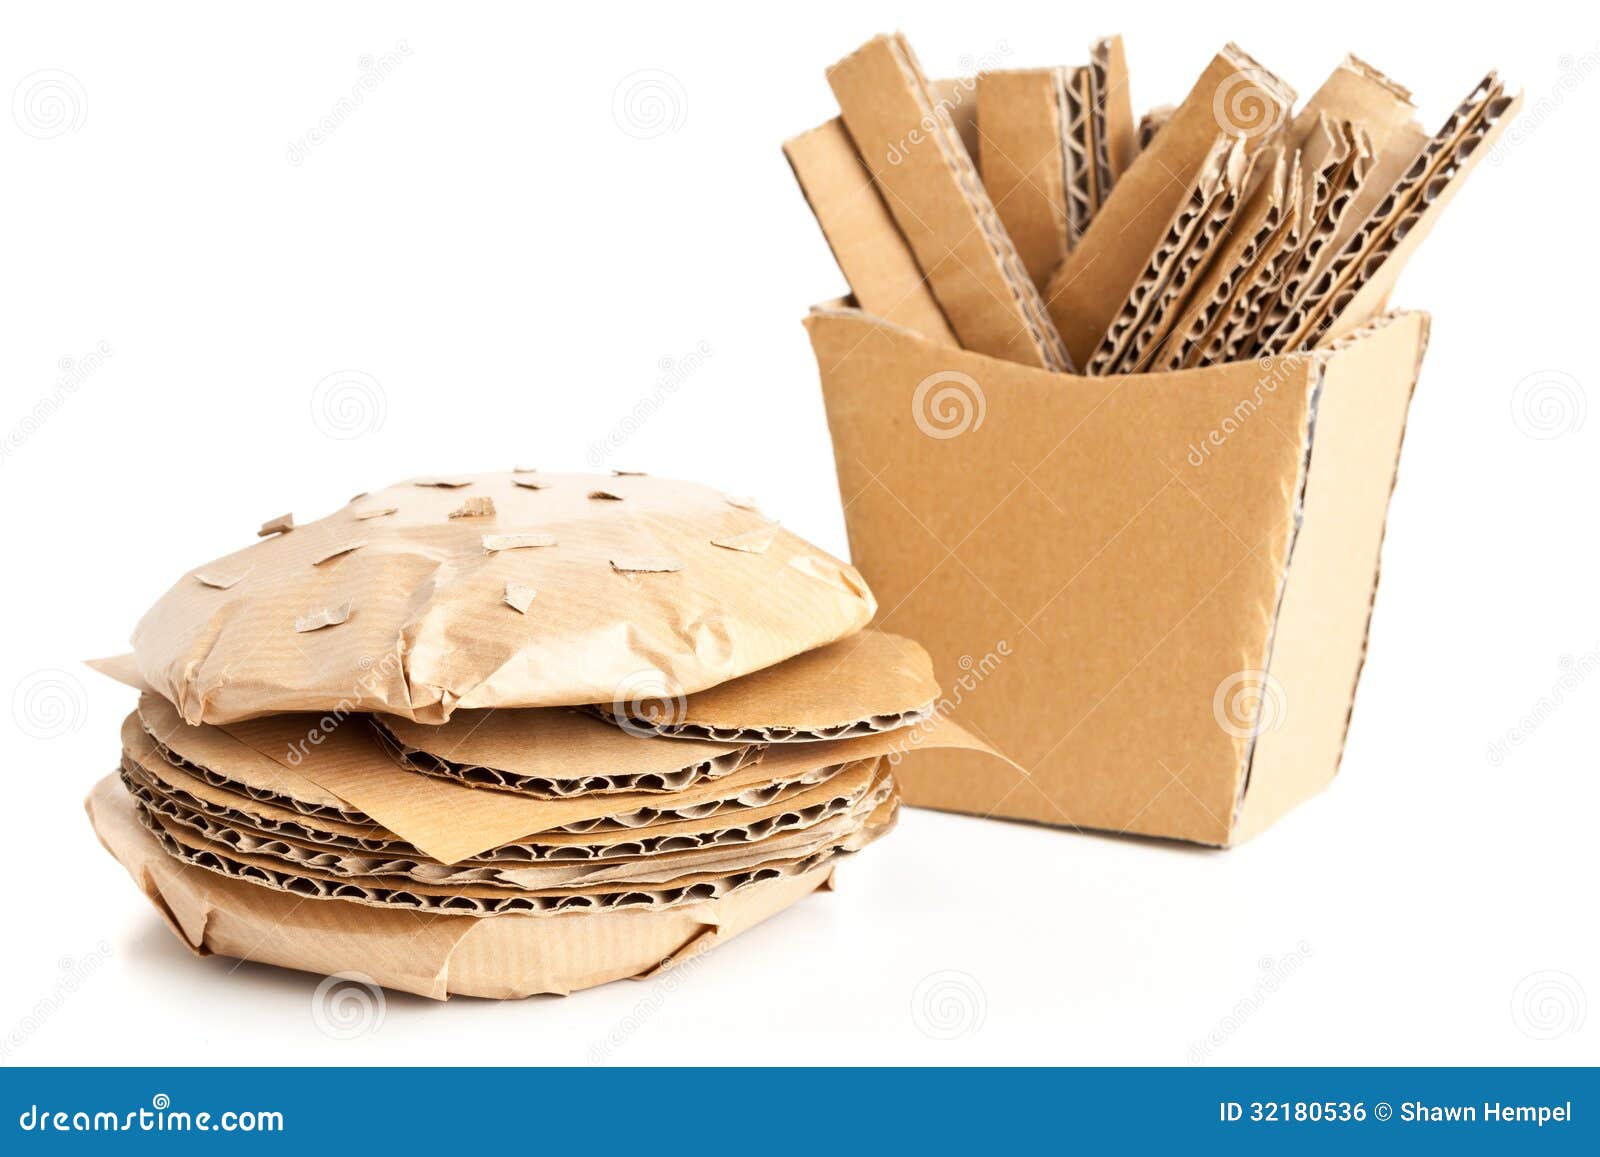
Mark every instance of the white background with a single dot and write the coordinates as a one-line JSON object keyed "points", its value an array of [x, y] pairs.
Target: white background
{"points": [[513, 256]]}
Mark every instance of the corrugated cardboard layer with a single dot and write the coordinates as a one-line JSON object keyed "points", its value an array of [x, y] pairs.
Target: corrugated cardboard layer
{"points": [[400, 870], [870, 682], [553, 752], [1234, 95], [430, 955], [927, 179], [483, 900], [872, 254], [427, 629], [143, 763], [1101, 635]]}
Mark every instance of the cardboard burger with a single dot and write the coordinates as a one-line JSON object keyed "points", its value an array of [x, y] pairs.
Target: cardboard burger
{"points": [[547, 847], [515, 589]]}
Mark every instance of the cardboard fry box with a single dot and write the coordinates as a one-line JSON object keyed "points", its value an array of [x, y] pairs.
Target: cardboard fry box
{"points": [[1151, 591]]}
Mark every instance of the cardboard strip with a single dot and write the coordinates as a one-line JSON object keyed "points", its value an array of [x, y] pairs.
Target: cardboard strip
{"points": [[871, 252], [928, 181], [1111, 114], [1235, 96], [1365, 287], [1020, 143], [1075, 99], [436, 956]]}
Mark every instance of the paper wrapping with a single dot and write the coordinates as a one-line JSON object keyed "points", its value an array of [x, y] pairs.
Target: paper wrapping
{"points": [[394, 604]]}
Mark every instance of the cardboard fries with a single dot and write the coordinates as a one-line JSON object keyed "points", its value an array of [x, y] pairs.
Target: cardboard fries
{"points": [[1166, 626], [867, 683], [1020, 152], [871, 252], [917, 160], [428, 630], [1111, 113], [432, 956], [1234, 96]]}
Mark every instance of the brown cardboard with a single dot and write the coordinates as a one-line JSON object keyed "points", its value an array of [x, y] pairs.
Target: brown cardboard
{"points": [[143, 764], [432, 956], [425, 628], [553, 752], [1115, 136], [1020, 149], [1370, 278], [1234, 96], [1262, 218], [450, 821], [400, 869], [487, 900], [907, 141], [1107, 611], [872, 254], [870, 682]]}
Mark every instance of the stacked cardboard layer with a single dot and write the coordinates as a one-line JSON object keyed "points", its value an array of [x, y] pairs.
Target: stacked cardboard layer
{"points": [[1226, 227], [395, 761]]}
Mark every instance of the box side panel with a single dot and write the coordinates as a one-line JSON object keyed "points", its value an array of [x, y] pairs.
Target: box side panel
{"points": [[1320, 639], [1088, 560]]}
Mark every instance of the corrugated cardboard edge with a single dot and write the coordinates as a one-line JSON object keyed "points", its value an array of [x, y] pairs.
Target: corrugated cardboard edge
{"points": [[1278, 773], [499, 957]]}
